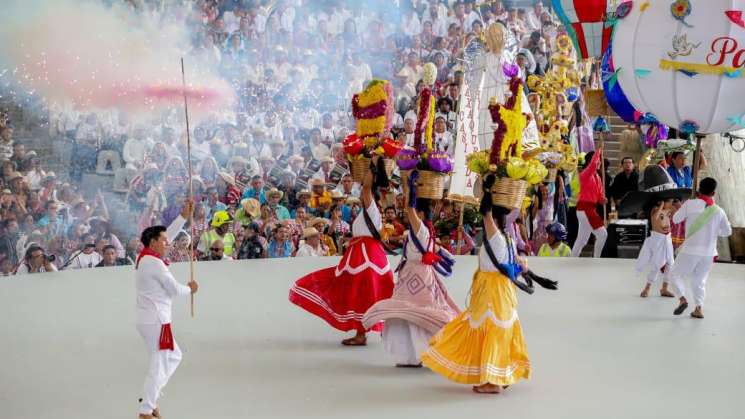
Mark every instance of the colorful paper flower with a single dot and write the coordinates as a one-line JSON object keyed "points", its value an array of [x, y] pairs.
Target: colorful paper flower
{"points": [[680, 10], [688, 127]]}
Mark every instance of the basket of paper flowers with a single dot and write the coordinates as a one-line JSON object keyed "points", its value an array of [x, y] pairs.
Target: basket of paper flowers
{"points": [[373, 111], [433, 166], [505, 159]]}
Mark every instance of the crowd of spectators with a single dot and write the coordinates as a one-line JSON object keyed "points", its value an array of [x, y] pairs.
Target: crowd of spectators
{"points": [[270, 176]]}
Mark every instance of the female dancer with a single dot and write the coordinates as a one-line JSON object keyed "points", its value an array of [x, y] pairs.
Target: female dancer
{"points": [[484, 345], [591, 195], [341, 295], [420, 305]]}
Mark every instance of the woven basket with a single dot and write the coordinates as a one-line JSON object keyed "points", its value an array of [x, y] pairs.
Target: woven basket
{"points": [[430, 185], [359, 166], [551, 176], [597, 104], [508, 193]]}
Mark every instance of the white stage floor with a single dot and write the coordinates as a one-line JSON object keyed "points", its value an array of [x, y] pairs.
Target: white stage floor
{"points": [[70, 350]]}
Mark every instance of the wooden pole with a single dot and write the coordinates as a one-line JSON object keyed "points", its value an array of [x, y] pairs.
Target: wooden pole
{"points": [[696, 164], [602, 174], [460, 226], [191, 185]]}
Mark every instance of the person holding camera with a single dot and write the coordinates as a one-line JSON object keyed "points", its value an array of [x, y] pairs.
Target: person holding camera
{"points": [[36, 260], [156, 287], [253, 245]]}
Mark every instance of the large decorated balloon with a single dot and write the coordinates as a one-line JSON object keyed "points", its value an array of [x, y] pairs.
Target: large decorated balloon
{"points": [[585, 21], [613, 92], [684, 62]]}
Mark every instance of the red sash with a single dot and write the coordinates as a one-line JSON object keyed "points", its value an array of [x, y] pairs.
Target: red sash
{"points": [[166, 337]]}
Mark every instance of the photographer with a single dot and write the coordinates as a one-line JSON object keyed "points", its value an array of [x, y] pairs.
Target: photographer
{"points": [[36, 261], [253, 245]]}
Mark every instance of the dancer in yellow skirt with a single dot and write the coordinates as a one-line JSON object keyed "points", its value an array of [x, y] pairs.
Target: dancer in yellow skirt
{"points": [[484, 345]]}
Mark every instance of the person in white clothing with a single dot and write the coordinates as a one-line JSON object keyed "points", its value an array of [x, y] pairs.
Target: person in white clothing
{"points": [[705, 222], [87, 258], [156, 288], [312, 247]]}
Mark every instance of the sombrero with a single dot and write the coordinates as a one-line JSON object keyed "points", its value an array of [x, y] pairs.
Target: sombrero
{"points": [[656, 186]]}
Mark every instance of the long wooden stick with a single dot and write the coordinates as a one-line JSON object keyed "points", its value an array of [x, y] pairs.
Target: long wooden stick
{"points": [[191, 185], [602, 174], [696, 164], [460, 226]]}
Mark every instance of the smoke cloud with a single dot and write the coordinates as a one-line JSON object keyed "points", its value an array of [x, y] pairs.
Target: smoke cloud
{"points": [[95, 57]]}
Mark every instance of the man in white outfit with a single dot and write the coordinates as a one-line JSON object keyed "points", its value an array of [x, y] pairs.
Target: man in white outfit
{"points": [[156, 287], [705, 222]]}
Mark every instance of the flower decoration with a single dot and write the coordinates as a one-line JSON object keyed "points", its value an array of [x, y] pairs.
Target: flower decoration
{"points": [[688, 127], [373, 110], [510, 124], [680, 10], [624, 9], [353, 145], [391, 147]]}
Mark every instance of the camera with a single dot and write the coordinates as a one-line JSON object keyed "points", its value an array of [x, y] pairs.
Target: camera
{"points": [[50, 258]]}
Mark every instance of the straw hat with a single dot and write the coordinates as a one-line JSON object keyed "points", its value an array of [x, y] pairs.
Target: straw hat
{"points": [[49, 176], [295, 158], [337, 195], [310, 232], [304, 192], [228, 178], [274, 192], [251, 207], [327, 160], [353, 201], [318, 220]]}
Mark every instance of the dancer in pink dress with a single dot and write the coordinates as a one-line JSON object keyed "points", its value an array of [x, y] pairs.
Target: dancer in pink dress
{"points": [[420, 305]]}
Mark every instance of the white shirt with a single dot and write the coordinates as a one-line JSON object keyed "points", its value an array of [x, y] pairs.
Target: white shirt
{"points": [[443, 142], [83, 261], [23, 269], [422, 236], [307, 250], [328, 134], [135, 150], [320, 151], [704, 242], [657, 251], [156, 286], [499, 246], [359, 226]]}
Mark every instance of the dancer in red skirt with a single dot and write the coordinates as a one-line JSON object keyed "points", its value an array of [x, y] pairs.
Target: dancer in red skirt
{"points": [[342, 294]]}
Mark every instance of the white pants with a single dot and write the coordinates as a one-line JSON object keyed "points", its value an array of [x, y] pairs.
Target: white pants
{"points": [[405, 342], [583, 236], [162, 365], [654, 274], [697, 268]]}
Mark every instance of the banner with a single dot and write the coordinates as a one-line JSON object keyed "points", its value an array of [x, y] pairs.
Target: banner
{"points": [[467, 138]]}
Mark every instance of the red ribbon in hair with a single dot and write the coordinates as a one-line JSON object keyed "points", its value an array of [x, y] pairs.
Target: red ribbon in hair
{"points": [[166, 337]]}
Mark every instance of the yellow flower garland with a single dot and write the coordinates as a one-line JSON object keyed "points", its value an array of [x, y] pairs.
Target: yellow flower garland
{"points": [[373, 126], [515, 122], [430, 124], [373, 93]]}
